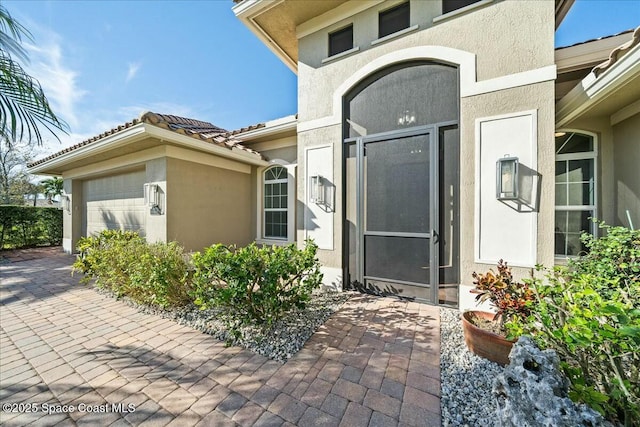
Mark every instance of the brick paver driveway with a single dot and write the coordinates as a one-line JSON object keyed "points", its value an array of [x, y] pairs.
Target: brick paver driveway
{"points": [[64, 346]]}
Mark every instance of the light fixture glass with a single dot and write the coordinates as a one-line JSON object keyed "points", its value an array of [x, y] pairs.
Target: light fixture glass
{"points": [[65, 203], [507, 178], [316, 190], [151, 197]]}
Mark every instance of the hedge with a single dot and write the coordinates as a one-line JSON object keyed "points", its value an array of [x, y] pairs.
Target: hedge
{"points": [[27, 226]]}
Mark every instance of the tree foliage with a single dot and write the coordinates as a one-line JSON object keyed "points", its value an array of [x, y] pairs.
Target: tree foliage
{"points": [[52, 187], [24, 106], [15, 182]]}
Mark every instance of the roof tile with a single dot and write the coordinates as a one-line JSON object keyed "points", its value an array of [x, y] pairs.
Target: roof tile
{"points": [[197, 129], [618, 53]]}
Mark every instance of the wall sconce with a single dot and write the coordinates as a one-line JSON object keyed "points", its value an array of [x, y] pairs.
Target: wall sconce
{"points": [[65, 203], [507, 178], [407, 118], [151, 195], [316, 190]]}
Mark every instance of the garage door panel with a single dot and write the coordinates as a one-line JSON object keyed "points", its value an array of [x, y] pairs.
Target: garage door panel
{"points": [[115, 202]]}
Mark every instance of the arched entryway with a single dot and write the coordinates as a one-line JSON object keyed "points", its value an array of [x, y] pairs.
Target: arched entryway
{"points": [[401, 175]]}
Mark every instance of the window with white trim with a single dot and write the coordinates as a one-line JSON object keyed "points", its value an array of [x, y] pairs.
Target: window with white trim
{"points": [[575, 191], [275, 203]]}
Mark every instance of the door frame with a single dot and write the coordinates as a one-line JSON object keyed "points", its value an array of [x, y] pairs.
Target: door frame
{"points": [[432, 132]]}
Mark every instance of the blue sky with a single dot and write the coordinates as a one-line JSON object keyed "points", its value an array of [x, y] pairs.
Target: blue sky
{"points": [[101, 63]]}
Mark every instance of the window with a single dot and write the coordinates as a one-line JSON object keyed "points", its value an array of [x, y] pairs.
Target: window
{"points": [[451, 5], [341, 40], [275, 203], [393, 20], [575, 191]]}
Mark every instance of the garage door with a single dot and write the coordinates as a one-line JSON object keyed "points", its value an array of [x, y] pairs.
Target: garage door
{"points": [[114, 202]]}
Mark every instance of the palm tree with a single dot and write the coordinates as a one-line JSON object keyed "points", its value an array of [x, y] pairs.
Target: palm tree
{"points": [[23, 104], [52, 187]]}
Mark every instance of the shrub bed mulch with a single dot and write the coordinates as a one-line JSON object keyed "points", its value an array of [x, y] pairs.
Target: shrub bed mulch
{"points": [[279, 341]]}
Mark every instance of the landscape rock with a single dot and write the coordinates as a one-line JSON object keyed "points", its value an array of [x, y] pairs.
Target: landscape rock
{"points": [[532, 392]]}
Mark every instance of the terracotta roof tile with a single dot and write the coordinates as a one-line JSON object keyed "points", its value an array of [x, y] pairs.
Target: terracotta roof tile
{"points": [[596, 39], [197, 129], [245, 129], [618, 53]]}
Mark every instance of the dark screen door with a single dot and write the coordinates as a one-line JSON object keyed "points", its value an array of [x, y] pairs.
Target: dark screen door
{"points": [[394, 214]]}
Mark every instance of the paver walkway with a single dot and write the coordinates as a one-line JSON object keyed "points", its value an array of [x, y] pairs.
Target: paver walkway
{"points": [[375, 362]]}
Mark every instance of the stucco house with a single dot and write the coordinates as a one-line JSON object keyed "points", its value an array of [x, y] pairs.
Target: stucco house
{"points": [[432, 139]]}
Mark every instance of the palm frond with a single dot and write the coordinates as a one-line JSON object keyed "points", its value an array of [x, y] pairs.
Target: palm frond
{"points": [[24, 108]]}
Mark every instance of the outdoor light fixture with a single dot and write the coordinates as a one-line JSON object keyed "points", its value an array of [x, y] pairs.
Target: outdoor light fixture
{"points": [[507, 178], [407, 118], [151, 195], [316, 190], [65, 203]]}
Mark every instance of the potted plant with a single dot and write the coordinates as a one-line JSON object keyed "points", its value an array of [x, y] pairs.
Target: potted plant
{"points": [[485, 333]]}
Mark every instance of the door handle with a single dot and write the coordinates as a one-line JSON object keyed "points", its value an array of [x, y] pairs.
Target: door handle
{"points": [[436, 236]]}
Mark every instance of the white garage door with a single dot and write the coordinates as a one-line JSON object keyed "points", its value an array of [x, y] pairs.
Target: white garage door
{"points": [[114, 202]]}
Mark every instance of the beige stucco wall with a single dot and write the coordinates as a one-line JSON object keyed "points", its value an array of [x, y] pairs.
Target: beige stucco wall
{"points": [[506, 37], [207, 205], [72, 219], [156, 222], [537, 97], [626, 156]]}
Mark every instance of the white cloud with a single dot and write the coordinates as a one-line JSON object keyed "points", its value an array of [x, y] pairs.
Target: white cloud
{"points": [[134, 67], [58, 80]]}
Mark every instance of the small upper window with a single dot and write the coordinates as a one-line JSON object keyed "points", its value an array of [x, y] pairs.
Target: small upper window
{"points": [[451, 5], [393, 20], [341, 40]]}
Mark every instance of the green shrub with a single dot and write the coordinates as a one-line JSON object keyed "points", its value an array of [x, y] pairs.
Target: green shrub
{"points": [[589, 312], [123, 262], [26, 226], [259, 284]]}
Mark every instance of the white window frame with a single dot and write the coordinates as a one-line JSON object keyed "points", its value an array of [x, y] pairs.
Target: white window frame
{"points": [[261, 216], [586, 155]]}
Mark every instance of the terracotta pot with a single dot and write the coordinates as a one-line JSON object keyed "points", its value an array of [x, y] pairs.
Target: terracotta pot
{"points": [[484, 343]]}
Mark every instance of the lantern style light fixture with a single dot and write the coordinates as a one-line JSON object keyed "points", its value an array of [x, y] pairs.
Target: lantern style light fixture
{"points": [[407, 118], [151, 196], [507, 178], [65, 203], [316, 190]]}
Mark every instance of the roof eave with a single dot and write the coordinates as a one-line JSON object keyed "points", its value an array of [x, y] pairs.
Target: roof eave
{"points": [[274, 127], [136, 133], [562, 8], [591, 90], [246, 11], [232, 153], [116, 140]]}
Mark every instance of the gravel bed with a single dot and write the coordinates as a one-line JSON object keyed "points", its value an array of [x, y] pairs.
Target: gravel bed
{"points": [[466, 379], [279, 341]]}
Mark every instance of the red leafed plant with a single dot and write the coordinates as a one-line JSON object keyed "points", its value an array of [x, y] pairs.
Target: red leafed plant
{"points": [[510, 298]]}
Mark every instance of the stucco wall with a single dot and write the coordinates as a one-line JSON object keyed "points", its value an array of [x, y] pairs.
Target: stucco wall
{"points": [[505, 37], [537, 97], [207, 205], [626, 156]]}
